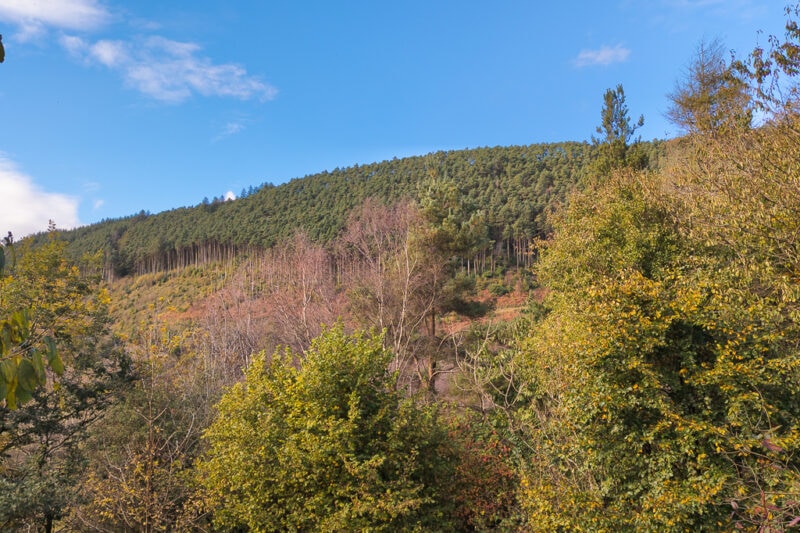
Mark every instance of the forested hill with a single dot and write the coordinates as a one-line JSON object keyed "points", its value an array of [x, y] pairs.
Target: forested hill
{"points": [[510, 186]]}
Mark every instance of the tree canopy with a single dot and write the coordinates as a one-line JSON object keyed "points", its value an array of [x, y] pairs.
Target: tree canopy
{"points": [[513, 187], [710, 96], [324, 441]]}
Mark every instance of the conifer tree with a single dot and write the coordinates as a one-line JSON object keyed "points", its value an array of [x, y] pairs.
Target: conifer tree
{"points": [[617, 131]]}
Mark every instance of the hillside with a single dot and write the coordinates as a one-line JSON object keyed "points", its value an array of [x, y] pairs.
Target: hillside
{"points": [[512, 186], [555, 337]]}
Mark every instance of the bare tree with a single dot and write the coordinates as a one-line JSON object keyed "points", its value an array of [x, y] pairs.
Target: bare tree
{"points": [[299, 294], [391, 282]]}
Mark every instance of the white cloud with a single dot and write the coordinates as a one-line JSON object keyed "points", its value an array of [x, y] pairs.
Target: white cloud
{"points": [[170, 71], [97, 204], [603, 56], [230, 196], [26, 208], [231, 128], [33, 17], [74, 45], [109, 53]]}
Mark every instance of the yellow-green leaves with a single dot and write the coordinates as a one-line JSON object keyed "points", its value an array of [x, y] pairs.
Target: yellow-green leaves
{"points": [[23, 359], [670, 351], [322, 441]]}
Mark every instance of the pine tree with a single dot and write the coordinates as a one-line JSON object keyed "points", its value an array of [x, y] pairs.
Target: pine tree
{"points": [[617, 130]]}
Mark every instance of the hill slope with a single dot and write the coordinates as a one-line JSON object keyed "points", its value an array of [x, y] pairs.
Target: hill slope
{"points": [[512, 185]]}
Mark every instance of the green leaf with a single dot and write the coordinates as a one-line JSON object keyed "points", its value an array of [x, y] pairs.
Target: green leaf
{"points": [[27, 378], [5, 339], [23, 324], [53, 359], [57, 365], [11, 397], [22, 396], [38, 365], [8, 370]]}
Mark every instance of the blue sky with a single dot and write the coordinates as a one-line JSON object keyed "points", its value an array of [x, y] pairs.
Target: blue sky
{"points": [[108, 107]]}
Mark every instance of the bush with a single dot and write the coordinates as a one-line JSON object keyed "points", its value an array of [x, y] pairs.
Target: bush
{"points": [[327, 445], [498, 289]]}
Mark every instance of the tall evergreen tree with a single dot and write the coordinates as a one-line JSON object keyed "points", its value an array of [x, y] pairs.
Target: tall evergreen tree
{"points": [[617, 131]]}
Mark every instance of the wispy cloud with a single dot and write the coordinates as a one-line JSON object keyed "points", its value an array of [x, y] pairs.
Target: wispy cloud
{"points": [[33, 17], [170, 71], [92, 186], [231, 128], [603, 56], [27, 208]]}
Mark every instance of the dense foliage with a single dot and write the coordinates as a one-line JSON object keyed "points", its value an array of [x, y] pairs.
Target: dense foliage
{"points": [[663, 374], [514, 186], [666, 373], [643, 375], [24, 352], [40, 436], [323, 441]]}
